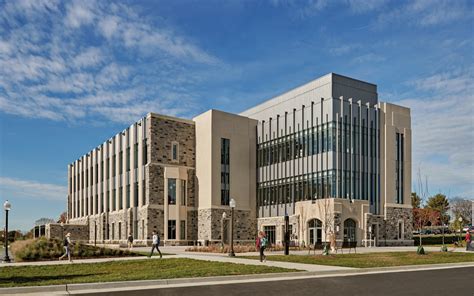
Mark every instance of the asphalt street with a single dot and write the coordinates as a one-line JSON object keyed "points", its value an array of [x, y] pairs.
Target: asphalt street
{"points": [[456, 281]]}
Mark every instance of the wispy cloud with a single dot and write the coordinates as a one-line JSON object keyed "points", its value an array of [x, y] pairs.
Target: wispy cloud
{"points": [[51, 74], [443, 129], [32, 190], [426, 13]]}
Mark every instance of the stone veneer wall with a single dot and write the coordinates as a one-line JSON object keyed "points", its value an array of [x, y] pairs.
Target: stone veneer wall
{"points": [[209, 225], [279, 222], [393, 215], [78, 232]]}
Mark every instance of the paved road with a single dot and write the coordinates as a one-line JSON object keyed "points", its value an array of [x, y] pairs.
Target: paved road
{"points": [[458, 281]]}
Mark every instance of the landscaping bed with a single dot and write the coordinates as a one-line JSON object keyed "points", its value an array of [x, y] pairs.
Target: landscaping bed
{"points": [[369, 260], [51, 249], [146, 269]]}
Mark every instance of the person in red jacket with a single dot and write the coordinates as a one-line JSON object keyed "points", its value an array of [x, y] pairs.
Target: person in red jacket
{"points": [[468, 240]]}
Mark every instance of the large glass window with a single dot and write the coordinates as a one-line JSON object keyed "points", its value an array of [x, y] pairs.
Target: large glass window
{"points": [[120, 199], [128, 197], [145, 152], [172, 191], [225, 171], [121, 162], [135, 156], [128, 159], [171, 229], [135, 197]]}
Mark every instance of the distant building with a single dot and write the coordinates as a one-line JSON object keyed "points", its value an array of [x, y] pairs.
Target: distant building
{"points": [[328, 154]]}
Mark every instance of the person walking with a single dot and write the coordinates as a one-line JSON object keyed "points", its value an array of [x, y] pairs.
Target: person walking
{"points": [[262, 244], [67, 244], [156, 244], [130, 241], [468, 240]]}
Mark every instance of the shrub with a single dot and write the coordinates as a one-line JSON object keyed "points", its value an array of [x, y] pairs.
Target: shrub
{"points": [[436, 239], [52, 249]]}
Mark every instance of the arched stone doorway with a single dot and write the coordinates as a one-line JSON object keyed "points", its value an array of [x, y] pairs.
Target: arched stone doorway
{"points": [[350, 230]]}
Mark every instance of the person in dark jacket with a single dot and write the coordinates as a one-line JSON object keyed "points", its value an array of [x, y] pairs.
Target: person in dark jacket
{"points": [[67, 247]]}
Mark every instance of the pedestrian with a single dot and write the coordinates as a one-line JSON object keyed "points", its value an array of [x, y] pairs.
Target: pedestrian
{"points": [[67, 244], [156, 244], [263, 242], [468, 240], [130, 241]]}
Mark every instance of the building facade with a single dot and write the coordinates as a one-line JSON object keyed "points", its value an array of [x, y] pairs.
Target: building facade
{"points": [[328, 154]]}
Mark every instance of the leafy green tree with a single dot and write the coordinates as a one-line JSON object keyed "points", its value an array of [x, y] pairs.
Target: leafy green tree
{"points": [[415, 200], [439, 203]]}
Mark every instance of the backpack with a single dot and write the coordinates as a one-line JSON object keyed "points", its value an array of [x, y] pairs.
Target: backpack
{"points": [[263, 242]]}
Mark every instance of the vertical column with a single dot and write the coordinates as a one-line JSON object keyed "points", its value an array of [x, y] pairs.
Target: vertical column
{"points": [[278, 165], [343, 151], [337, 155], [311, 157], [323, 194], [73, 195], [351, 151], [376, 159], [286, 162], [361, 156], [293, 161], [369, 156]]}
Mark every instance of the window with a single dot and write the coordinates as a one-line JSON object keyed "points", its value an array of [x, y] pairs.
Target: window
{"points": [[315, 231], [102, 202], [135, 156], [144, 193], [400, 230], [349, 230], [128, 159], [96, 204], [102, 171], [113, 231], [114, 172], [120, 230], [183, 193], [171, 229], [182, 231], [172, 191], [174, 151], [145, 153], [120, 201], [135, 197], [107, 169], [128, 197], [114, 200], [225, 171], [121, 162], [107, 205], [399, 167], [270, 233]]}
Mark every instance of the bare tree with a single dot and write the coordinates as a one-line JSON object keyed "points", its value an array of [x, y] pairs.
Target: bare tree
{"points": [[327, 215], [421, 217], [461, 208]]}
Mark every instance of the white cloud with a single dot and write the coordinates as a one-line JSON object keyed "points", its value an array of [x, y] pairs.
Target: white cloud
{"points": [[443, 129], [361, 6], [32, 189], [52, 75]]}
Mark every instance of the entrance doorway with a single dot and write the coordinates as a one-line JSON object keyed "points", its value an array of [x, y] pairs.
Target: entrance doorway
{"points": [[315, 231]]}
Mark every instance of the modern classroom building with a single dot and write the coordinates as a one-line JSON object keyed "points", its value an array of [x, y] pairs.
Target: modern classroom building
{"points": [[328, 154]]}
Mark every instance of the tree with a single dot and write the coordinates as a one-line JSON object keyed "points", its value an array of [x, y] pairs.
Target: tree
{"points": [[462, 208], [415, 200], [327, 215], [62, 217], [440, 203]]}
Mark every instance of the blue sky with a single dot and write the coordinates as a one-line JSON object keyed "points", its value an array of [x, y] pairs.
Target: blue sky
{"points": [[73, 73]]}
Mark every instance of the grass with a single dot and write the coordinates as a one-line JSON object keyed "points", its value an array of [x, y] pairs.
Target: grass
{"points": [[375, 259], [124, 271]]}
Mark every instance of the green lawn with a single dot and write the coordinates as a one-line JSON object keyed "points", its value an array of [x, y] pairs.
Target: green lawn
{"points": [[375, 259], [124, 271]]}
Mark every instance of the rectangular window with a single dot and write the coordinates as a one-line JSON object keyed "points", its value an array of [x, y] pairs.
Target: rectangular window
{"points": [[120, 201], [114, 200], [128, 197], [107, 169], [171, 229], [120, 230], [270, 232], [114, 166], [113, 231], [121, 162], [102, 202], [183, 193], [96, 173], [145, 152], [128, 159], [174, 152], [107, 205], [172, 191], [102, 171], [144, 193], [225, 171], [399, 168], [135, 197], [182, 231], [96, 204], [135, 156]]}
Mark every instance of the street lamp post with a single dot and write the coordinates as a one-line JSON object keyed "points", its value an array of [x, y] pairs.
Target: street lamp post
{"points": [[62, 231], [224, 216], [232, 206], [7, 206], [460, 230]]}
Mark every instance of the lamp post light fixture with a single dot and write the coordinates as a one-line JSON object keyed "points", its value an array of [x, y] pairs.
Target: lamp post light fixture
{"points": [[232, 206], [224, 216], [7, 206], [62, 230]]}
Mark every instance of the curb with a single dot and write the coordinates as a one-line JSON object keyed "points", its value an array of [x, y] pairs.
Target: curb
{"points": [[164, 283]]}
